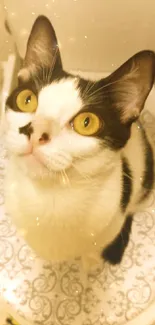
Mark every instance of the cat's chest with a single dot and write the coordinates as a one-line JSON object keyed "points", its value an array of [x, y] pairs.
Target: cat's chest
{"points": [[86, 203], [37, 200], [63, 222]]}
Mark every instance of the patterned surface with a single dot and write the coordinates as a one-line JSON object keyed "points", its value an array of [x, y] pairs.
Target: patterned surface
{"points": [[62, 294]]}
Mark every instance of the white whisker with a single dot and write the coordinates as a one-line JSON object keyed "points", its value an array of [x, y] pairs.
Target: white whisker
{"points": [[88, 88], [65, 178], [85, 176], [103, 87]]}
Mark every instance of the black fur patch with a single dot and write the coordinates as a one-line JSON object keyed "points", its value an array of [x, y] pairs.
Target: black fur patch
{"points": [[127, 184], [26, 129], [148, 177], [114, 252]]}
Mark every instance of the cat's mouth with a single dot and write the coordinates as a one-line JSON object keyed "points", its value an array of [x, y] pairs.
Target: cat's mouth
{"points": [[35, 159], [34, 167], [30, 153]]}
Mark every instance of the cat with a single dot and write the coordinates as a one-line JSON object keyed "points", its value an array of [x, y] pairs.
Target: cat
{"points": [[80, 163]]}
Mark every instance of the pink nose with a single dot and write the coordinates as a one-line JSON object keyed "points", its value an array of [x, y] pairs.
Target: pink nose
{"points": [[41, 131]]}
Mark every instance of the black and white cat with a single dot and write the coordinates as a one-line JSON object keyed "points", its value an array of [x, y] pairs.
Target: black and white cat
{"points": [[80, 163]]}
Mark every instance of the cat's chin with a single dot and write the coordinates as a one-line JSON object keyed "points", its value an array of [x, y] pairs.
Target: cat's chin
{"points": [[31, 166]]}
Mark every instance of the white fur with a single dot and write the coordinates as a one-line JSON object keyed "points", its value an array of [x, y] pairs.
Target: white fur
{"points": [[66, 196], [60, 101]]}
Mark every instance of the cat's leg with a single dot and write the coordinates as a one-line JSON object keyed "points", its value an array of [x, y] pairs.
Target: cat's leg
{"points": [[113, 253]]}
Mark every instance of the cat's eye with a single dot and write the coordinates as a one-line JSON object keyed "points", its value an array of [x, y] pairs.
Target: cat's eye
{"points": [[87, 123], [27, 101]]}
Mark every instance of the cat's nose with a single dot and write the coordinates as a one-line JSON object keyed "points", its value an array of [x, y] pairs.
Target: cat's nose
{"points": [[44, 138], [41, 131]]}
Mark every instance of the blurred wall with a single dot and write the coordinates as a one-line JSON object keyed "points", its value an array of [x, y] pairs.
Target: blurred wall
{"points": [[95, 35]]}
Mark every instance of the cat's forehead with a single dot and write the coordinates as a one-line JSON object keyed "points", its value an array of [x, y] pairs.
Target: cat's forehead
{"points": [[60, 100]]}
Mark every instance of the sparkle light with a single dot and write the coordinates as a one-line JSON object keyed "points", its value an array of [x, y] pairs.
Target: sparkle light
{"points": [[23, 32], [72, 39], [31, 258], [22, 232], [13, 186], [59, 45]]}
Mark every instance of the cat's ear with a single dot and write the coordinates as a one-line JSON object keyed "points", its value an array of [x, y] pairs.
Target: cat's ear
{"points": [[130, 85], [42, 48]]}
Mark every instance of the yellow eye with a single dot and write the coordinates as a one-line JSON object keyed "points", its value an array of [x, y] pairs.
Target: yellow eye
{"points": [[87, 123], [26, 101]]}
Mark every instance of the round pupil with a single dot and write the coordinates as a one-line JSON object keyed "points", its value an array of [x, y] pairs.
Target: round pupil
{"points": [[27, 100], [86, 122]]}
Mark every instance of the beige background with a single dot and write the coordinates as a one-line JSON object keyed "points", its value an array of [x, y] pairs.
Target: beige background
{"points": [[95, 35]]}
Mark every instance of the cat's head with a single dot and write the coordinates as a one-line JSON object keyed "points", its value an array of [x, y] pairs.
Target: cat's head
{"points": [[59, 122]]}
